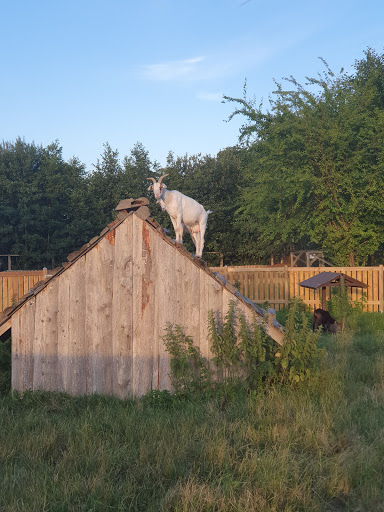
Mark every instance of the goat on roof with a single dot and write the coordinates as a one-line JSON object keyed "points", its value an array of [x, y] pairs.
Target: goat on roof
{"points": [[183, 211]]}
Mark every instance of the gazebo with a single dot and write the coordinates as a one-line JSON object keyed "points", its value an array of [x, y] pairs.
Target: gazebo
{"points": [[325, 280]]}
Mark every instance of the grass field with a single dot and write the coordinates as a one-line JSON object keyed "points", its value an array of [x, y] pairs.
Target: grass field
{"points": [[314, 448]]}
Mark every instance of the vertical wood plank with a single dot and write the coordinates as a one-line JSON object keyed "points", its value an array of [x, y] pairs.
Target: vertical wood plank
{"points": [[51, 337], [371, 279], [78, 308], [122, 311], [165, 283], [23, 323], [143, 308], [147, 349], [191, 293], [63, 328], [98, 322], [17, 348], [157, 249], [381, 289], [204, 307], [40, 343]]}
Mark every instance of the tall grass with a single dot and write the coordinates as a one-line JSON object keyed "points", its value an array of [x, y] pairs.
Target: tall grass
{"points": [[319, 447]]}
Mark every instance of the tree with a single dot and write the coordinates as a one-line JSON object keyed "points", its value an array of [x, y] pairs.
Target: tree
{"points": [[38, 203], [103, 185], [315, 164], [136, 169]]}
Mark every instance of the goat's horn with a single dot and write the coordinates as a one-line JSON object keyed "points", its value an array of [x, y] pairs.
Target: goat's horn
{"points": [[153, 179], [162, 177]]}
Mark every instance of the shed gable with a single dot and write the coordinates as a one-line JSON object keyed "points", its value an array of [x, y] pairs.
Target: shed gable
{"points": [[97, 325]]}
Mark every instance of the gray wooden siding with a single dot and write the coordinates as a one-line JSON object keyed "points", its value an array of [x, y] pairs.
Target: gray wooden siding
{"points": [[97, 327]]}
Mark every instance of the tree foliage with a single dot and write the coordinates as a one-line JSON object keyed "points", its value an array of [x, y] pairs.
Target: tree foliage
{"points": [[42, 203], [314, 164]]}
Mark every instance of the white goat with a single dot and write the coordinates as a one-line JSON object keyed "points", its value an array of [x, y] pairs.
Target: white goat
{"points": [[182, 210], [193, 231]]}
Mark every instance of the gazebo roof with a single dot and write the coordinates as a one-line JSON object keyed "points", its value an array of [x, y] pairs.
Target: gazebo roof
{"points": [[325, 279]]}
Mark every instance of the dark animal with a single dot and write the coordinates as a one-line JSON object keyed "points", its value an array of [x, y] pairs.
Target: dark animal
{"points": [[323, 318]]}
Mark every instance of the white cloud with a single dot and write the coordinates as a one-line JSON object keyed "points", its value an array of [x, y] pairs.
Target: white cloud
{"points": [[233, 58], [210, 96], [188, 69]]}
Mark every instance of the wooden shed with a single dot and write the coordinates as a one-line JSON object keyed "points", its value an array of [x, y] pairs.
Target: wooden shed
{"points": [[96, 324], [326, 280]]}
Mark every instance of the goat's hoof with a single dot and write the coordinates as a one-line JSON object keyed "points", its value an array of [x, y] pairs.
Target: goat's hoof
{"points": [[199, 260]]}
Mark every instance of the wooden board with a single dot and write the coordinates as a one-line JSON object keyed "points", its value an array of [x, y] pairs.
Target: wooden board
{"points": [[122, 320]]}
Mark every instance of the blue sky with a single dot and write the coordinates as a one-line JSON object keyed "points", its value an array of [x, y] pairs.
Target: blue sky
{"points": [[87, 72]]}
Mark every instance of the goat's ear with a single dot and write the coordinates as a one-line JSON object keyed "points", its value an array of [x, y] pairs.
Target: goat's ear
{"points": [[150, 187], [164, 185]]}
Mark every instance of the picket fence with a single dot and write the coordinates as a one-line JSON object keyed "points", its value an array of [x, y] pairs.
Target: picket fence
{"points": [[15, 284], [273, 285], [278, 285]]}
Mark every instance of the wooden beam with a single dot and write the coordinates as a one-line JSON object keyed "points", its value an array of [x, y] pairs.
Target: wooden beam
{"points": [[6, 326], [324, 297]]}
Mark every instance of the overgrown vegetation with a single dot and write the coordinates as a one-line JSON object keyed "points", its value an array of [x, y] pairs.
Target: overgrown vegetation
{"points": [[244, 357], [189, 371]]}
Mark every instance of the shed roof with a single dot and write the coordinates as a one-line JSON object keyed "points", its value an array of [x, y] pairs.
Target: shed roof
{"points": [[331, 279]]}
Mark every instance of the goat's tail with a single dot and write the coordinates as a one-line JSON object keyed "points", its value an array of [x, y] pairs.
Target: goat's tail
{"points": [[209, 211]]}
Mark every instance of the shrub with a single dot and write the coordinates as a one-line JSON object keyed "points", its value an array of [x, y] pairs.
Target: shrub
{"points": [[244, 355], [300, 308], [224, 346], [189, 371], [297, 358]]}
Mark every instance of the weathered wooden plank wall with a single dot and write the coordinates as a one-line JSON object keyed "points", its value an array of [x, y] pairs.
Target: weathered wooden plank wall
{"points": [[97, 327], [278, 285], [15, 284]]}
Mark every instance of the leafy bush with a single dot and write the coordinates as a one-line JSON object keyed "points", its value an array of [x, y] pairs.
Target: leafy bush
{"points": [[189, 371], [224, 346], [158, 399], [299, 354], [300, 308], [244, 355]]}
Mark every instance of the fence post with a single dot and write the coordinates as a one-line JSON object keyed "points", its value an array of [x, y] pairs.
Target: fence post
{"points": [[381, 290], [286, 286]]}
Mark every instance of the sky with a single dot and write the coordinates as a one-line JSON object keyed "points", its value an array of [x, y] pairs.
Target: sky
{"points": [[88, 72]]}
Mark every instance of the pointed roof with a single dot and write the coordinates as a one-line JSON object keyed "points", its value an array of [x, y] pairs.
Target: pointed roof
{"points": [[331, 279]]}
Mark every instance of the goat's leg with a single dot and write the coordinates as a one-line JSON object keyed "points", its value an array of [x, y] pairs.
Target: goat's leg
{"points": [[199, 251], [175, 227], [178, 227], [195, 238], [198, 245]]}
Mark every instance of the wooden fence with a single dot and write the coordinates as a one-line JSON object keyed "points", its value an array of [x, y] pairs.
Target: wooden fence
{"points": [[277, 285], [15, 284]]}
